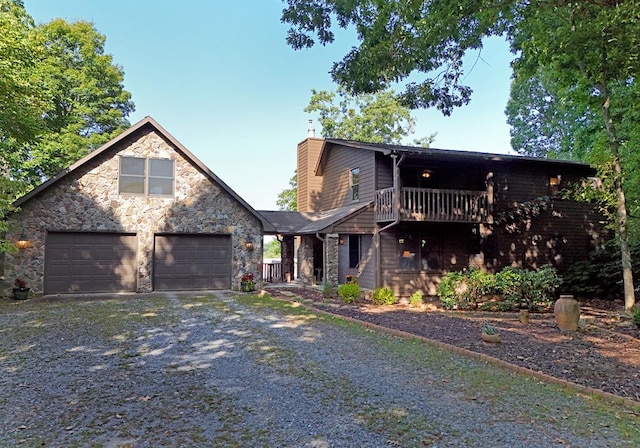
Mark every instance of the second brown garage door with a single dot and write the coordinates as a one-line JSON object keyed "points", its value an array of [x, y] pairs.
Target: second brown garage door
{"points": [[191, 262]]}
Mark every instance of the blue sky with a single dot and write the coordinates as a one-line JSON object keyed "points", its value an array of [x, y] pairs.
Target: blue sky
{"points": [[218, 76]]}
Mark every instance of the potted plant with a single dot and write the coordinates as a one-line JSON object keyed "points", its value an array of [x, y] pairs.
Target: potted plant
{"points": [[489, 334], [20, 289], [247, 283]]}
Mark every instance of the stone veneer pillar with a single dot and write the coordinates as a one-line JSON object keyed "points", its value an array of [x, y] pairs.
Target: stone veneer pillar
{"points": [[305, 260], [331, 260], [287, 247]]}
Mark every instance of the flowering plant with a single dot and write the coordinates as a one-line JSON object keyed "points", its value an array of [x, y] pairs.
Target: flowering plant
{"points": [[20, 284], [247, 282], [247, 278]]}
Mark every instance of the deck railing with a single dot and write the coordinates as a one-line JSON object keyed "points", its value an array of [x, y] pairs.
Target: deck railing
{"points": [[429, 204], [272, 272]]}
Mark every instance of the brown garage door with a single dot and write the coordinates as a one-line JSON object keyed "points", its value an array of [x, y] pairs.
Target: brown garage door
{"points": [[191, 262], [89, 262]]}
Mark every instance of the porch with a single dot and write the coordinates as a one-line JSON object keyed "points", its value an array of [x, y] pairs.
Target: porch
{"points": [[431, 204]]}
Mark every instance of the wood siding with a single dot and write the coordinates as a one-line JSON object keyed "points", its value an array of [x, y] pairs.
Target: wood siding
{"points": [[335, 186], [366, 269], [309, 185]]}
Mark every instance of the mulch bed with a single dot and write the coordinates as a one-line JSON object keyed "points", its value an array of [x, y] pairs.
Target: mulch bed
{"points": [[603, 354]]}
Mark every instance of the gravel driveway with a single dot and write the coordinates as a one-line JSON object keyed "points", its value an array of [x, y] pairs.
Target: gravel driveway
{"points": [[149, 371]]}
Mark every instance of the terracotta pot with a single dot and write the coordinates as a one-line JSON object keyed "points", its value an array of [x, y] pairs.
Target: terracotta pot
{"points": [[493, 338], [567, 313]]}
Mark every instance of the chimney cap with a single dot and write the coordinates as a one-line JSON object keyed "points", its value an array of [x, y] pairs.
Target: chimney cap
{"points": [[311, 132]]}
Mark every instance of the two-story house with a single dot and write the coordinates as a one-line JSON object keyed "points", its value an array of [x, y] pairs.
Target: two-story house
{"points": [[403, 217]]}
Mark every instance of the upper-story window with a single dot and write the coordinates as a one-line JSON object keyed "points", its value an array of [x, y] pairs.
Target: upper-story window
{"points": [[139, 175], [354, 184]]}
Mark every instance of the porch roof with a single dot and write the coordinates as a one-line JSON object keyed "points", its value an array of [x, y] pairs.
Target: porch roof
{"points": [[304, 223]]}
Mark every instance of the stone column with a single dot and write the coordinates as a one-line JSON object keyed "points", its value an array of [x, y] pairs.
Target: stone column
{"points": [[305, 259], [287, 251], [331, 259]]}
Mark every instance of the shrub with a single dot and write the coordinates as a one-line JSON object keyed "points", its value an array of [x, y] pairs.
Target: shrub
{"points": [[601, 276], [465, 289], [384, 296], [329, 290], [415, 299], [521, 288], [528, 289], [635, 315], [349, 292]]}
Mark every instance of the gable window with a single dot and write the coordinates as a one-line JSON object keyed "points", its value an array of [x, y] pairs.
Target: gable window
{"points": [[354, 184], [419, 253], [354, 251], [139, 175]]}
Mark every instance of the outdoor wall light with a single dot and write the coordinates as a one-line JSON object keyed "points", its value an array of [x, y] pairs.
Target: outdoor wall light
{"points": [[23, 242], [427, 174], [248, 245], [554, 181]]}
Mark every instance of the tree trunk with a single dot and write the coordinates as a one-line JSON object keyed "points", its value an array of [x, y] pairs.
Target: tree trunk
{"points": [[621, 215]]}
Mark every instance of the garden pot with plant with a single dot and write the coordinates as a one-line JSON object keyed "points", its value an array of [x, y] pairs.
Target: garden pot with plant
{"points": [[489, 334], [247, 283], [20, 289]]}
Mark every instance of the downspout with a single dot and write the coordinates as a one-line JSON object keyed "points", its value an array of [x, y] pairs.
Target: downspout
{"points": [[396, 207]]}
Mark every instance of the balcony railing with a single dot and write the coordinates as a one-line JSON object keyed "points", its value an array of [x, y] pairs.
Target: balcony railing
{"points": [[428, 204]]}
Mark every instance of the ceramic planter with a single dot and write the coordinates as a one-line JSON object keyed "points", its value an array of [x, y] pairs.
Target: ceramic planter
{"points": [[21, 293], [492, 338], [567, 313]]}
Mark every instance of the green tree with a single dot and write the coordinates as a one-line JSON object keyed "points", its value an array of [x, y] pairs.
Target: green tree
{"points": [[374, 118], [86, 104], [288, 198], [20, 99], [378, 118], [60, 97], [591, 46]]}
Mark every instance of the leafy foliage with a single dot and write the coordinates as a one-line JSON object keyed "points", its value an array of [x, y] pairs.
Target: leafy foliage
{"points": [[635, 315], [527, 289], [349, 292], [384, 296], [272, 249], [600, 277], [521, 288], [378, 118], [288, 198], [415, 299]]}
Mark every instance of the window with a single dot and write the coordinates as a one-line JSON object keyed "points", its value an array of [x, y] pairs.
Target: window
{"points": [[354, 183], [354, 251], [146, 176], [419, 253]]}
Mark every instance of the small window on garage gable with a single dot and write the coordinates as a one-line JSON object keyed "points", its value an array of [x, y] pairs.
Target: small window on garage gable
{"points": [[146, 176]]}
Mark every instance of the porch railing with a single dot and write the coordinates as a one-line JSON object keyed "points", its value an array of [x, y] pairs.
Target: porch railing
{"points": [[272, 272], [429, 204]]}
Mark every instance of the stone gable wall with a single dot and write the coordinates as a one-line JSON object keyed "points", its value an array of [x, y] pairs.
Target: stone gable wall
{"points": [[88, 200]]}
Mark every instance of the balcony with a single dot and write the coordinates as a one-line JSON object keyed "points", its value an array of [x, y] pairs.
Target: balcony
{"points": [[434, 205]]}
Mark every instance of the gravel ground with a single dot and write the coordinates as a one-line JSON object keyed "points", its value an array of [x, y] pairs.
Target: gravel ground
{"points": [[219, 371]]}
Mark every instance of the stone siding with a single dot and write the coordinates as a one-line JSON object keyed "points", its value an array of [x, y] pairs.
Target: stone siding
{"points": [[88, 201]]}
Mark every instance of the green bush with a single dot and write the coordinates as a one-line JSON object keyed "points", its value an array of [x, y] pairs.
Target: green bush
{"points": [[416, 299], [635, 315], [329, 290], [349, 292], [384, 296], [521, 288], [527, 289], [600, 277], [465, 289]]}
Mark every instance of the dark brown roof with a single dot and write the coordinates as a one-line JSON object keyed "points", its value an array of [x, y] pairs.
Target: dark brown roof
{"points": [[437, 154], [138, 127], [304, 223]]}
